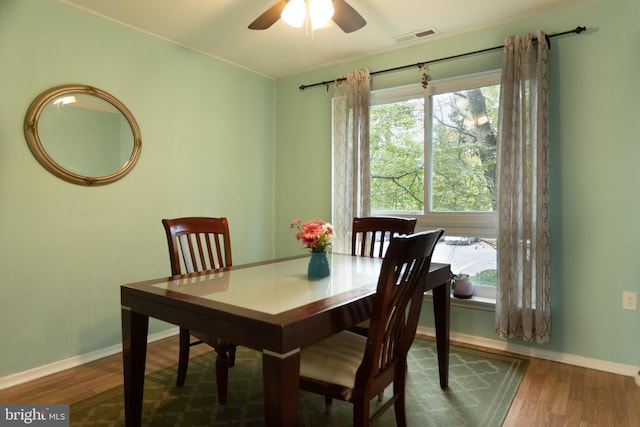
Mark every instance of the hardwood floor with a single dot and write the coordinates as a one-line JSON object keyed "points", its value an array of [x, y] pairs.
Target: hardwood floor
{"points": [[92, 378], [551, 394], [557, 394]]}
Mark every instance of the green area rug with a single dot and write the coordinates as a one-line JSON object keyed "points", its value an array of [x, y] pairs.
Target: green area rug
{"points": [[481, 389]]}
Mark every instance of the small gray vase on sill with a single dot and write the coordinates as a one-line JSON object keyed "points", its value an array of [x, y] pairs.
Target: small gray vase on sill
{"points": [[462, 286]]}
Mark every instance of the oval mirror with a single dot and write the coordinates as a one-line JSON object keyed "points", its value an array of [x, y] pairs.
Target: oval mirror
{"points": [[82, 134]]}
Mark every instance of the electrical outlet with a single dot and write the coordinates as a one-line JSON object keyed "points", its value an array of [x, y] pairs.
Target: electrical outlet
{"points": [[629, 300]]}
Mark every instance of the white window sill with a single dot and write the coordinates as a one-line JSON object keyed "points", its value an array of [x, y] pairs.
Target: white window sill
{"points": [[475, 302]]}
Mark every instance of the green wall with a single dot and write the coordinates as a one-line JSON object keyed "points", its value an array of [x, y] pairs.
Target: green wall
{"points": [[595, 153], [66, 249]]}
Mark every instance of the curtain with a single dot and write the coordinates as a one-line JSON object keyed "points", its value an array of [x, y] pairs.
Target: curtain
{"points": [[351, 171], [522, 301]]}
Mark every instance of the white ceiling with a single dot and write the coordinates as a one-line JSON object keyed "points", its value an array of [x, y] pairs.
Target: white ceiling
{"points": [[219, 27]]}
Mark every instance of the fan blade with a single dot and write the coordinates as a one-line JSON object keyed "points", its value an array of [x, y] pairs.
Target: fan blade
{"points": [[346, 17], [269, 17]]}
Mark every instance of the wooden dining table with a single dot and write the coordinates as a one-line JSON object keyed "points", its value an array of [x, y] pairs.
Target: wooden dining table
{"points": [[270, 307]]}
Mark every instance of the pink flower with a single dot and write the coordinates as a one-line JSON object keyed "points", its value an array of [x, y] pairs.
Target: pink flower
{"points": [[316, 234]]}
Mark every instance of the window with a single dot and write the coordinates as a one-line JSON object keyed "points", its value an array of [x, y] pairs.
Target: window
{"points": [[433, 156]]}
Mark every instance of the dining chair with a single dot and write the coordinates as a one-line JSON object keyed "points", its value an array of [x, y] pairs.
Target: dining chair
{"points": [[354, 368], [370, 235], [200, 244]]}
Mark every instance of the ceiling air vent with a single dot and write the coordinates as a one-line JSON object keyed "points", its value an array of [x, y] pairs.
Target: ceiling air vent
{"points": [[417, 35]]}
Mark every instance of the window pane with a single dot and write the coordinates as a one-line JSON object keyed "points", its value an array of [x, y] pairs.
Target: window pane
{"points": [[397, 156], [463, 150], [469, 255]]}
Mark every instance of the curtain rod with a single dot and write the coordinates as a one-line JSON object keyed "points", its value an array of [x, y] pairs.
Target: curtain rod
{"points": [[576, 30]]}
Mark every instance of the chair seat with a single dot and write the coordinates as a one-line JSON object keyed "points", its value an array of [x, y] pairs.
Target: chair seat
{"points": [[334, 360], [364, 324], [361, 328]]}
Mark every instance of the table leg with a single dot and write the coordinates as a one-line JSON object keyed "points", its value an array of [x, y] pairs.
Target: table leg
{"points": [[135, 327], [441, 311], [281, 376]]}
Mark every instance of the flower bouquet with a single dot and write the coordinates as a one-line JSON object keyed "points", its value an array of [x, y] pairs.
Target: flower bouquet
{"points": [[317, 236]]}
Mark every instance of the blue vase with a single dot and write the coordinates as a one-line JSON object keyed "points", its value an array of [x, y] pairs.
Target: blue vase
{"points": [[318, 266]]}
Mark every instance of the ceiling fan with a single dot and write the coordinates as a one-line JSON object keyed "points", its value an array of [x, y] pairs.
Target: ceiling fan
{"points": [[345, 16]]}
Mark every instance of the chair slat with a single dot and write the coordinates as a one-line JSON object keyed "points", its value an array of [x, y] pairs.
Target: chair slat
{"points": [[219, 249]]}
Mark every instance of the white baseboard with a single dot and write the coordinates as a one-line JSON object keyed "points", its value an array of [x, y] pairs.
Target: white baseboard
{"points": [[571, 359], [61, 365]]}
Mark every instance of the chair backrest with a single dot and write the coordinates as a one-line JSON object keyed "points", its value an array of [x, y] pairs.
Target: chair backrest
{"points": [[197, 244], [370, 235], [396, 307]]}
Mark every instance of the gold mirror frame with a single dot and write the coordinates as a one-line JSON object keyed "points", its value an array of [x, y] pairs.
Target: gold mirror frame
{"points": [[41, 154]]}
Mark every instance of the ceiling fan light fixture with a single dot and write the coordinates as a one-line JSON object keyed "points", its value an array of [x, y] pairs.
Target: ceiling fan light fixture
{"points": [[294, 13], [315, 13], [320, 13]]}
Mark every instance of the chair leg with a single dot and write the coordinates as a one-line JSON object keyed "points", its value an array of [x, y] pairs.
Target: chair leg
{"points": [[222, 373], [232, 356], [328, 405], [183, 356], [361, 412], [399, 404]]}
